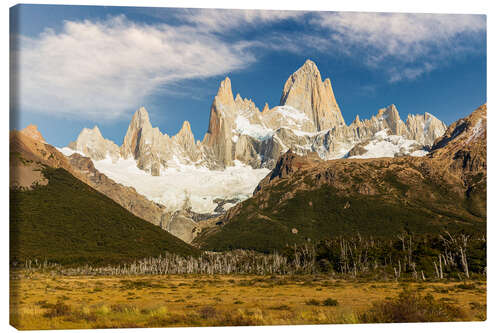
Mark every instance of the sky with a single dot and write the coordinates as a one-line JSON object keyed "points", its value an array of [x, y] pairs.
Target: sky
{"points": [[81, 66]]}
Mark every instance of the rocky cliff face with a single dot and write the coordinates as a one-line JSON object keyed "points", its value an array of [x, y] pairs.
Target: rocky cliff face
{"points": [[304, 90], [425, 129], [144, 143], [462, 151], [91, 143], [463, 145]]}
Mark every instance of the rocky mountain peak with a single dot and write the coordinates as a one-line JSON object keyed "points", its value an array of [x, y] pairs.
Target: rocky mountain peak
{"points": [[238, 98], [356, 120], [186, 127], [390, 112], [95, 131], [185, 136], [425, 128], [225, 93], [32, 131], [287, 164], [390, 117], [141, 118], [465, 133], [265, 109], [88, 135], [305, 91], [139, 128], [309, 67], [92, 144]]}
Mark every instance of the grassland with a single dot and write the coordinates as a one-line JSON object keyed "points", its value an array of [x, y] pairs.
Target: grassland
{"points": [[45, 301]]}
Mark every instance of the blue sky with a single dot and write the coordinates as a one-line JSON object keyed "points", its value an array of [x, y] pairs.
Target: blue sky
{"points": [[80, 66]]}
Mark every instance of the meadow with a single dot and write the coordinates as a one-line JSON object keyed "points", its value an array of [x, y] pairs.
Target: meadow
{"points": [[45, 300]]}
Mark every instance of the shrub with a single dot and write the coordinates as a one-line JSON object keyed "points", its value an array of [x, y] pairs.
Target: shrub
{"points": [[330, 302], [124, 308], [412, 307], [466, 286], [57, 310], [280, 307], [207, 312]]}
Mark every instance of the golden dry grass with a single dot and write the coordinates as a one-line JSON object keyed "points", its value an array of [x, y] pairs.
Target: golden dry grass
{"points": [[42, 301]]}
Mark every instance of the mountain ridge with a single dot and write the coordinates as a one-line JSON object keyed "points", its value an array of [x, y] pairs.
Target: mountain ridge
{"points": [[307, 119]]}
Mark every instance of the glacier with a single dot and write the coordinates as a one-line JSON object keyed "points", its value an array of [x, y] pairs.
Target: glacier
{"points": [[186, 185]]}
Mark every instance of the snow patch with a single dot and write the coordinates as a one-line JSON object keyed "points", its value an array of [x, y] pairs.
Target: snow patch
{"points": [[289, 112], [228, 205], [419, 153], [68, 151], [477, 130], [384, 145], [257, 131], [290, 117]]}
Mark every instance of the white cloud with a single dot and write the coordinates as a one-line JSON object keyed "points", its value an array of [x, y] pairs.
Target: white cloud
{"points": [[103, 69], [413, 43], [217, 20]]}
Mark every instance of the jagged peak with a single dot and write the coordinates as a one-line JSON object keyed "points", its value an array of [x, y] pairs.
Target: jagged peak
{"points": [[308, 69], [225, 88], [33, 132], [429, 115], [142, 112], [224, 94], [30, 127], [390, 111], [141, 117], [94, 131], [238, 98], [304, 90], [309, 66], [186, 125], [186, 128], [265, 109]]}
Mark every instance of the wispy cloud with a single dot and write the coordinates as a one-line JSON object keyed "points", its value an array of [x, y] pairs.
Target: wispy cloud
{"points": [[217, 20], [407, 45], [101, 69], [104, 69]]}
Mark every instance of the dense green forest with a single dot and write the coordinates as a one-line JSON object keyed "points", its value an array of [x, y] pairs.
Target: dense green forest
{"points": [[70, 223]]}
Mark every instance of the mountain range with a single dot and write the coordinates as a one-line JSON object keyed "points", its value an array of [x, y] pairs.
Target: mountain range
{"points": [[307, 119], [284, 175]]}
